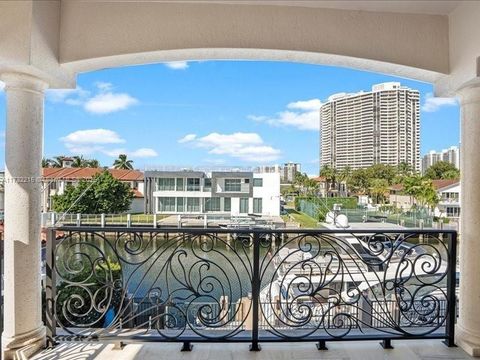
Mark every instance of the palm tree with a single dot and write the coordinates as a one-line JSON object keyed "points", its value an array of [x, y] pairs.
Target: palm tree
{"points": [[93, 163], [311, 186], [123, 163], [79, 162], [412, 186], [46, 163], [330, 175], [57, 161], [345, 177], [428, 196], [378, 189]]}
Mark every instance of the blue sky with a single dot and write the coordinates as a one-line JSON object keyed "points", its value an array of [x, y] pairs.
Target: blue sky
{"points": [[214, 113]]}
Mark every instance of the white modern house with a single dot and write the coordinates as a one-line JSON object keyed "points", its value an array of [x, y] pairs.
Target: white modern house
{"points": [[231, 193]]}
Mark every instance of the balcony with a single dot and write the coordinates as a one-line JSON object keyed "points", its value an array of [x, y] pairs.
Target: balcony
{"points": [[47, 43], [206, 286]]}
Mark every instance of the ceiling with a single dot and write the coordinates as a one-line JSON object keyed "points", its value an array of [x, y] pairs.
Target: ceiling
{"points": [[431, 7]]}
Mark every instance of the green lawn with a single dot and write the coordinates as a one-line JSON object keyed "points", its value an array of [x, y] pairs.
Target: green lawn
{"points": [[304, 220]]}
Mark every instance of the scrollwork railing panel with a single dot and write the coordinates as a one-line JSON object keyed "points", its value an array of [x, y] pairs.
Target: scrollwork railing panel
{"points": [[333, 285], [168, 284], [173, 285]]}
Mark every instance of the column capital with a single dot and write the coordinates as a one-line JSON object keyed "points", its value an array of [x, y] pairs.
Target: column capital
{"points": [[469, 92], [22, 81]]}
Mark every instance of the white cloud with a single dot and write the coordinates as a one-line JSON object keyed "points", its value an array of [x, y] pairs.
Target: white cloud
{"points": [[92, 136], [139, 153], [432, 103], [307, 105], [70, 96], [105, 103], [91, 141], [177, 65], [243, 146], [2, 86], [143, 153], [113, 152], [104, 86], [83, 149], [303, 115], [187, 138]]}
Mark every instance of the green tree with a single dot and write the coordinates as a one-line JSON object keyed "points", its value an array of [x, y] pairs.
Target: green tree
{"points": [[102, 194], [442, 170], [422, 190], [123, 163], [79, 162], [359, 181], [46, 163], [311, 186], [427, 196], [381, 171], [378, 189], [93, 163], [412, 185], [403, 170], [56, 162], [344, 177], [330, 175]]}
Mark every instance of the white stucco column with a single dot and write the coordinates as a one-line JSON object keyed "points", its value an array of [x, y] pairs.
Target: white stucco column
{"points": [[468, 325], [24, 330]]}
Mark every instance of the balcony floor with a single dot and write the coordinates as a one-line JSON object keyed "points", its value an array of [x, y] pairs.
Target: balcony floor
{"points": [[371, 350]]}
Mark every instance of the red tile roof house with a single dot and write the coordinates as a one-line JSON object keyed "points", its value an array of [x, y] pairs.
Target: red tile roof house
{"points": [[55, 180], [401, 200]]}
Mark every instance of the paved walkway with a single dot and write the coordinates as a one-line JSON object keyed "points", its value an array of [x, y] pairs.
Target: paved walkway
{"points": [[368, 350]]}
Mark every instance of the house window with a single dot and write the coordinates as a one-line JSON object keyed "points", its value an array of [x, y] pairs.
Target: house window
{"points": [[166, 204], [193, 184], [207, 184], [180, 184], [258, 182], [212, 204], [180, 204], [233, 185], [193, 204], [165, 184], [227, 204], [257, 205], [453, 211], [243, 205]]}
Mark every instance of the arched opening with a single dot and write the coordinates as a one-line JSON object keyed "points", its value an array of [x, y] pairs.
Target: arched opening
{"points": [[219, 114]]}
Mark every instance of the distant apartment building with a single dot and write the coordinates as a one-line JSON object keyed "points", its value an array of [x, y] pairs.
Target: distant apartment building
{"points": [[450, 155], [196, 192], [381, 126], [269, 169], [289, 170], [56, 180]]}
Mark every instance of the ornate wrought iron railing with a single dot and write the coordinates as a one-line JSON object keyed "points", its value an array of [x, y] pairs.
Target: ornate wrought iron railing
{"points": [[194, 285]]}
